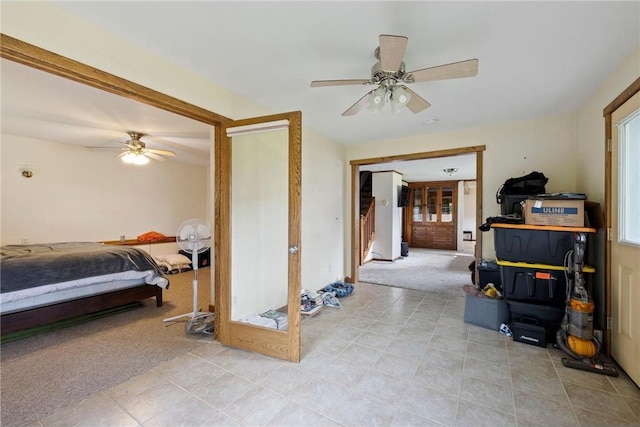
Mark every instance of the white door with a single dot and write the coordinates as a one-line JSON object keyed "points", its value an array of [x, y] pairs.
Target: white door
{"points": [[625, 236]]}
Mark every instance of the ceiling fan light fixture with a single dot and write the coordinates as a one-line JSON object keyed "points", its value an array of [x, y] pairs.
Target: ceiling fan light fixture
{"points": [[390, 70], [135, 159], [377, 99], [400, 97], [128, 158], [141, 159], [450, 171]]}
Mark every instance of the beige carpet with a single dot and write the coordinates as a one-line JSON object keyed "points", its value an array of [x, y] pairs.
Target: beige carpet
{"points": [[429, 270], [45, 372]]}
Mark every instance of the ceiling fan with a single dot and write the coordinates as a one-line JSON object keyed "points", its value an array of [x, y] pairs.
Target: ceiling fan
{"points": [[390, 76], [136, 152]]}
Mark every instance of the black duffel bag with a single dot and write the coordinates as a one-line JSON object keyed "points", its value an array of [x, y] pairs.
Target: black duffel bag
{"points": [[530, 184]]}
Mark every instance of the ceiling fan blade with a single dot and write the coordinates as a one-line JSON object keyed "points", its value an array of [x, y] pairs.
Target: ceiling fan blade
{"points": [[161, 152], [322, 83], [358, 105], [454, 70], [416, 103], [120, 155], [391, 51], [101, 148], [154, 156]]}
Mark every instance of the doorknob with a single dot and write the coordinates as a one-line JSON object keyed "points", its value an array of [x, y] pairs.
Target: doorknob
{"points": [[293, 249]]}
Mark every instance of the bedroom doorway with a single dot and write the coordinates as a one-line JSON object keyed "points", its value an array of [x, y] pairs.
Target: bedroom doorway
{"points": [[32, 56]]}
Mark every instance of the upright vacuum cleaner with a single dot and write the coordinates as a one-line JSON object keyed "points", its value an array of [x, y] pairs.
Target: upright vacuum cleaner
{"points": [[575, 336]]}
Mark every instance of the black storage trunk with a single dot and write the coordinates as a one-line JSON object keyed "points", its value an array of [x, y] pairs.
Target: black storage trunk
{"points": [[203, 258], [488, 271], [529, 333], [538, 285], [535, 246], [546, 316]]}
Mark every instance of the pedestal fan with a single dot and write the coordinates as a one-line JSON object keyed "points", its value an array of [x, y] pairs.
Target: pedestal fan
{"points": [[194, 237]]}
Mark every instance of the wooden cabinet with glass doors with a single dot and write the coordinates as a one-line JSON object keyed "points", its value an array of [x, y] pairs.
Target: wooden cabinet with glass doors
{"points": [[430, 221]]}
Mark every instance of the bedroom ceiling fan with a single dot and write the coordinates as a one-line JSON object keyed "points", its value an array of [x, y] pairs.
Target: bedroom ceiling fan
{"points": [[390, 76], [136, 152]]}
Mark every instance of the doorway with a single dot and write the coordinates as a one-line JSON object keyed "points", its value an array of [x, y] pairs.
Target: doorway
{"points": [[356, 165], [622, 273]]}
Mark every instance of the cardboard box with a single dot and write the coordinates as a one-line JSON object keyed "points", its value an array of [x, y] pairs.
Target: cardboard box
{"points": [[566, 213]]}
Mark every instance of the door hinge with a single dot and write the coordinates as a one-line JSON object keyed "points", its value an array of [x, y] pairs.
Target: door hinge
{"points": [[609, 323], [609, 148], [608, 234]]}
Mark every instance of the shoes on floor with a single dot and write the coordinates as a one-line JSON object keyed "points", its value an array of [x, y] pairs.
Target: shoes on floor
{"points": [[341, 289], [504, 329], [329, 299]]}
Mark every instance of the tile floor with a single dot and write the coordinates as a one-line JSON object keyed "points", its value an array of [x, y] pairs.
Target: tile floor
{"points": [[388, 357]]}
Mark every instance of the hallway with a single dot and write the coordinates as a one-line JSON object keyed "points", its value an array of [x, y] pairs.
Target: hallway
{"points": [[430, 270]]}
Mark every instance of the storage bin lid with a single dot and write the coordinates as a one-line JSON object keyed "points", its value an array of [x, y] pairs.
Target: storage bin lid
{"points": [[585, 269]]}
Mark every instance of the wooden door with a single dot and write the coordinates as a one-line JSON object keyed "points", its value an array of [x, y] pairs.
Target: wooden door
{"points": [[433, 215], [625, 237], [257, 251]]}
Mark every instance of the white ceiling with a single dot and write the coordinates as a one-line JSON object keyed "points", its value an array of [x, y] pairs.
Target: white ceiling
{"points": [[42, 106], [535, 59]]}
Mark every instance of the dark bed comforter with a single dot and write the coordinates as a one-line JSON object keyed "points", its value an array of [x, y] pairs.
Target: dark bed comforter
{"points": [[27, 266]]}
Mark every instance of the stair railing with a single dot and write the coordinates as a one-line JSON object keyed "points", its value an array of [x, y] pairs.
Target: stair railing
{"points": [[367, 230]]}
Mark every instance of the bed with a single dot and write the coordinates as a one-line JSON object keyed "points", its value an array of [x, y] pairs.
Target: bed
{"points": [[44, 283]]}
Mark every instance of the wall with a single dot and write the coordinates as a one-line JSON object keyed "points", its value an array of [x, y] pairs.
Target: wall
{"points": [[590, 151], [591, 164], [323, 217], [469, 210], [82, 194], [386, 245], [546, 144], [323, 176]]}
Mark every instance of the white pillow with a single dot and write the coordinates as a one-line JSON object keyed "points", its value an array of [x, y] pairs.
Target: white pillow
{"points": [[173, 259]]}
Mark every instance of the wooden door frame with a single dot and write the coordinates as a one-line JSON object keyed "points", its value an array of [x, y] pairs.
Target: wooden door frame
{"points": [[36, 57], [626, 94], [355, 199]]}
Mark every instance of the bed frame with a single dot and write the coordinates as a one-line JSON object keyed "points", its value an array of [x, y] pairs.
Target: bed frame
{"points": [[30, 318]]}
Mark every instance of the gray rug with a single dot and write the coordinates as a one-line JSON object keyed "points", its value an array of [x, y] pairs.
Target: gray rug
{"points": [[42, 373], [429, 270]]}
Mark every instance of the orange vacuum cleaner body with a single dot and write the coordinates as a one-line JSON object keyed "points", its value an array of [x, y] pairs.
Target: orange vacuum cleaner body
{"points": [[584, 348], [580, 332]]}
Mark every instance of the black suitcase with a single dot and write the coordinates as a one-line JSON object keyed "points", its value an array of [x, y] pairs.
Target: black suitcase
{"points": [[529, 333]]}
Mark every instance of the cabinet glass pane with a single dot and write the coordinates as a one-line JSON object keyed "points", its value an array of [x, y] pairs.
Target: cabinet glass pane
{"points": [[447, 203], [432, 204], [417, 204]]}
